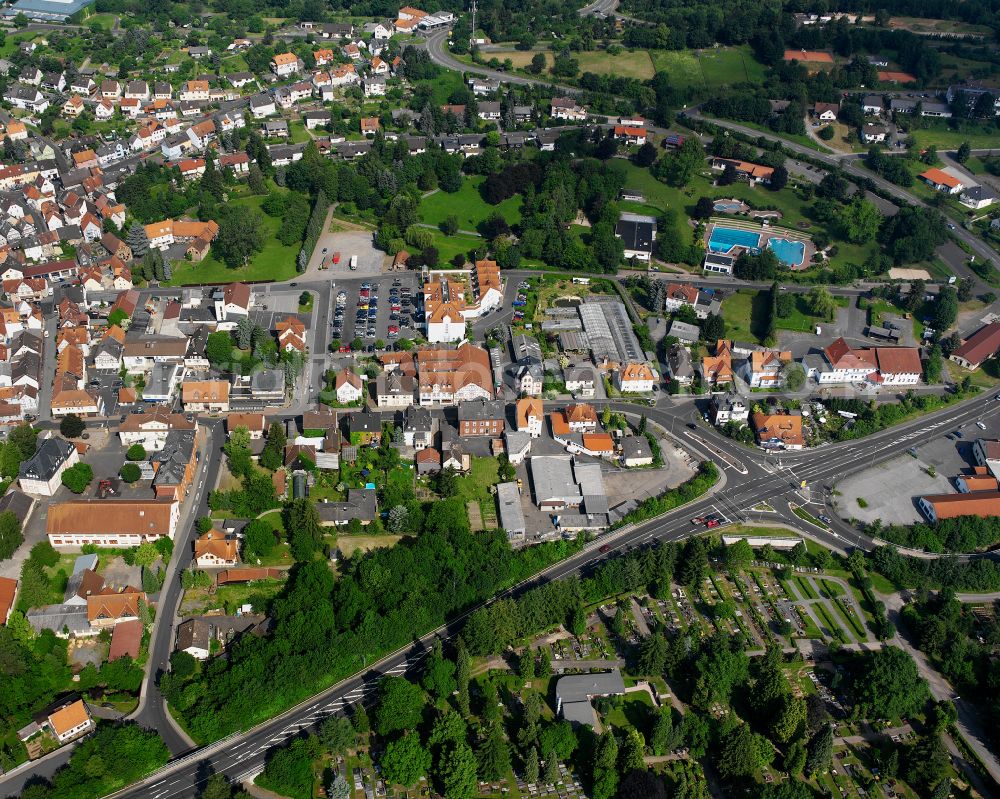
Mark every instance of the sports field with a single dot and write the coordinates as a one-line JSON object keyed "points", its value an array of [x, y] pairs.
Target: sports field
{"points": [[720, 66]]}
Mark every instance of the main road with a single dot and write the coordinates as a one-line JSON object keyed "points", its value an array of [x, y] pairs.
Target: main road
{"points": [[748, 479]]}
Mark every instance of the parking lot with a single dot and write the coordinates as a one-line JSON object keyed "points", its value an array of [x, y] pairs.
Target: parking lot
{"points": [[348, 243], [929, 468], [107, 382], [386, 308]]}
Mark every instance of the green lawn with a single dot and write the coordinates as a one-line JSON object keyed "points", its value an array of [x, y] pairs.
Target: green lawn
{"points": [[627, 64], [443, 85], [723, 66], [450, 246], [944, 137], [297, 132], [106, 21], [467, 205], [475, 485], [741, 312], [801, 319], [274, 262]]}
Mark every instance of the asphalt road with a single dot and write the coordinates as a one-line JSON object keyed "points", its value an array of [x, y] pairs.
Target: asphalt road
{"points": [[152, 709], [748, 478], [848, 163]]}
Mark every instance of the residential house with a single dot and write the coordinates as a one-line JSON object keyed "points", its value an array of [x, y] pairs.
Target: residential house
{"points": [[566, 108], [637, 232], [374, 86], [765, 369], [874, 134], [747, 171], [529, 416], [70, 721], [636, 452], [779, 430], [635, 378], [152, 428], [215, 549], [348, 387], [717, 369], [428, 461], [365, 428], [728, 407], [977, 197], [285, 64], [262, 105], [394, 390], [205, 396], [41, 474], [580, 381], [942, 180], [418, 427], [826, 112], [481, 417], [679, 366], [233, 302]]}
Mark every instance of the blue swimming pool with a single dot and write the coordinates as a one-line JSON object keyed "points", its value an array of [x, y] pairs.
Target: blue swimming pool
{"points": [[723, 239], [728, 207], [790, 253]]}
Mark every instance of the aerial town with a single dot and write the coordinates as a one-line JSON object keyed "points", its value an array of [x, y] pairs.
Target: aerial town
{"points": [[499, 401]]}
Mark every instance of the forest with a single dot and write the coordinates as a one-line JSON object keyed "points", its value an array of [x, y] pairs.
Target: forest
{"points": [[326, 628]]}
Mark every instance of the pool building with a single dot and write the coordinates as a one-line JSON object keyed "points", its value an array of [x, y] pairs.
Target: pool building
{"points": [[725, 240]]}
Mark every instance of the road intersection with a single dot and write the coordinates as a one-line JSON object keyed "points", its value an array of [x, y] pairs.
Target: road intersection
{"points": [[749, 479]]}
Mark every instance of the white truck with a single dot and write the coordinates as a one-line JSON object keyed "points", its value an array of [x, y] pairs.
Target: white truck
{"points": [[354, 262]]}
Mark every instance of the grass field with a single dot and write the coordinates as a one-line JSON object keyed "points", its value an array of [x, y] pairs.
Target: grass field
{"points": [[705, 69], [467, 205], [801, 319], [628, 64], [450, 246], [349, 544], [106, 21], [738, 312], [943, 137], [443, 85], [274, 262], [722, 66]]}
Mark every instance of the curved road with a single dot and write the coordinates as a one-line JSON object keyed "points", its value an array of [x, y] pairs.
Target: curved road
{"points": [[437, 48]]}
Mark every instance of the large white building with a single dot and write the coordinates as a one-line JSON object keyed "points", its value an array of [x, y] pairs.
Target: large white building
{"points": [[42, 473], [111, 522], [449, 302]]}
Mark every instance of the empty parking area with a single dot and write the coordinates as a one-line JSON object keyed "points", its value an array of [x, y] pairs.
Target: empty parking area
{"points": [[359, 243]]}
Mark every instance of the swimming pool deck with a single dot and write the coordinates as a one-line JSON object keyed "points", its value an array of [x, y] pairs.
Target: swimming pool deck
{"points": [[767, 231]]}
